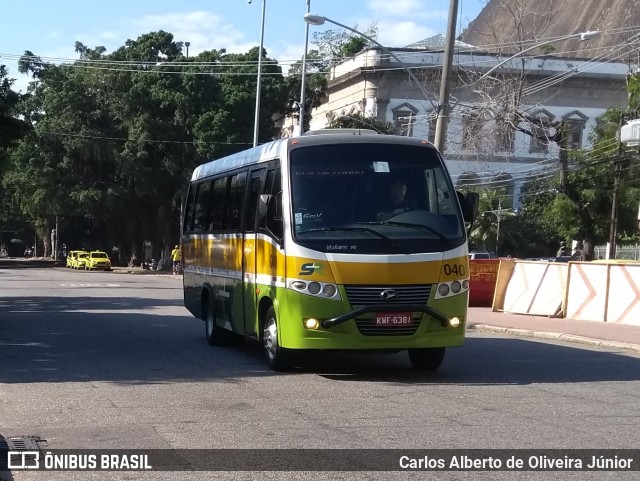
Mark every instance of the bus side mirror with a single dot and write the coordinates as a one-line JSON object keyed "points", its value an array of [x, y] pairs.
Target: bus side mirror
{"points": [[469, 205], [269, 213]]}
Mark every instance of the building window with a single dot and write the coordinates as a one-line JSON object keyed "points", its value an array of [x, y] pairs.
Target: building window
{"points": [[471, 126], [540, 132], [574, 134], [404, 123], [505, 134], [467, 181], [539, 140], [575, 121], [404, 119]]}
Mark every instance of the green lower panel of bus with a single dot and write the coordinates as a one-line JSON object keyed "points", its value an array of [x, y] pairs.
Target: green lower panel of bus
{"points": [[383, 328]]}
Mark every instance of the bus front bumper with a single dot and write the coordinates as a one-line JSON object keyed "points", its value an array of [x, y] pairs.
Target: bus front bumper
{"points": [[444, 320]]}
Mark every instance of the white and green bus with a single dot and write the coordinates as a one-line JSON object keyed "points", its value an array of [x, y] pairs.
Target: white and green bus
{"points": [[291, 244]]}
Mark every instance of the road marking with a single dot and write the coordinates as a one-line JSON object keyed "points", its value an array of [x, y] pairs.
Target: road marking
{"points": [[88, 285]]}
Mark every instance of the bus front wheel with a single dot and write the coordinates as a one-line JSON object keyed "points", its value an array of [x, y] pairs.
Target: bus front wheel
{"points": [[278, 358], [428, 359]]}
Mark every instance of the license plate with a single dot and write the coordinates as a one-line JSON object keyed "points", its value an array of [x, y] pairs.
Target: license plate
{"points": [[394, 318]]}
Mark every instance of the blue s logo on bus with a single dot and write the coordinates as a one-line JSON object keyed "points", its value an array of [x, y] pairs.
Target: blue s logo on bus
{"points": [[310, 268]]}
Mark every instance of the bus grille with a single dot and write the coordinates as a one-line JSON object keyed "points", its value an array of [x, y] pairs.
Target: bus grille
{"points": [[373, 295], [368, 327]]}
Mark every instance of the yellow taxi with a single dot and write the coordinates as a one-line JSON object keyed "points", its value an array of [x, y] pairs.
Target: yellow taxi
{"points": [[71, 258], [98, 260], [80, 259]]}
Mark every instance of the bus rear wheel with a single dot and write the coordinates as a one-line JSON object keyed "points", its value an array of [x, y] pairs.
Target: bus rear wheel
{"points": [[428, 359], [278, 358], [216, 335]]}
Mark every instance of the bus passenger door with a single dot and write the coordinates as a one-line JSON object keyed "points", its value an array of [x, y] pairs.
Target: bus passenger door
{"points": [[249, 256]]}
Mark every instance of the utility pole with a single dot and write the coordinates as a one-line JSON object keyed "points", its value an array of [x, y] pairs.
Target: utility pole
{"points": [[304, 72], [563, 144], [617, 173], [445, 82], [55, 240], [499, 215]]}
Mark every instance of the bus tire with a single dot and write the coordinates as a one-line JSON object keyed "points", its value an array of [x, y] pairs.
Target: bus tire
{"points": [[278, 358], [428, 359], [215, 334]]}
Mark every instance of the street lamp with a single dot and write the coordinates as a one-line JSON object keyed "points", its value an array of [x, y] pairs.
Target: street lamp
{"points": [[581, 36], [304, 72], [499, 216], [259, 80], [315, 19]]}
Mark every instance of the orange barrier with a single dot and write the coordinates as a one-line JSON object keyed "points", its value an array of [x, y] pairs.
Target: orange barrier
{"points": [[483, 274]]}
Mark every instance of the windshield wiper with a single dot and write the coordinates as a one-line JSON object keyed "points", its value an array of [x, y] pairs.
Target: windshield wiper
{"points": [[349, 229], [409, 226]]}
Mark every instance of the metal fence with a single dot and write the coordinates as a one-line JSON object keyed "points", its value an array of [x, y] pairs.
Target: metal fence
{"points": [[629, 252]]}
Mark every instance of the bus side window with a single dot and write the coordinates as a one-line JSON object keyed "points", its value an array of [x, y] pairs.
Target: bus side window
{"points": [[272, 219], [202, 206], [234, 201], [219, 194], [255, 188], [187, 224]]}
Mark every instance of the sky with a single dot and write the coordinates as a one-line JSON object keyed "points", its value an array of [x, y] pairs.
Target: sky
{"points": [[50, 28]]}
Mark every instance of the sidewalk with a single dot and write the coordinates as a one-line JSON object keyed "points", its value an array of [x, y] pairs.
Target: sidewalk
{"points": [[604, 334]]}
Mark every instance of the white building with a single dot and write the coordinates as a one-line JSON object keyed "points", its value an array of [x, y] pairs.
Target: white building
{"points": [[481, 147]]}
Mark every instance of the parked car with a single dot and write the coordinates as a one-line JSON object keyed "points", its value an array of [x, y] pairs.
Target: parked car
{"points": [[80, 259], [98, 260], [71, 259], [480, 255]]}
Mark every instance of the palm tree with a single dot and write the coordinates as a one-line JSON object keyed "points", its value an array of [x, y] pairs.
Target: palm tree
{"points": [[492, 228]]}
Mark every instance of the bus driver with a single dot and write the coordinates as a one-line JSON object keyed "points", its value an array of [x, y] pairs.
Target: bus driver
{"points": [[397, 202]]}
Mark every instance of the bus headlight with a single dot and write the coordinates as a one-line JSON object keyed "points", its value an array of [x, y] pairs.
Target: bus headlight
{"points": [[329, 290], [301, 286], [443, 290], [313, 288], [451, 288]]}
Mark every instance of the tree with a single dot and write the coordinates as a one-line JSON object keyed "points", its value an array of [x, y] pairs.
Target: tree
{"points": [[580, 208], [336, 45], [113, 146], [358, 121]]}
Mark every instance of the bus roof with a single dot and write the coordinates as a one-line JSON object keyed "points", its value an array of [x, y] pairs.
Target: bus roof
{"points": [[274, 149], [261, 153]]}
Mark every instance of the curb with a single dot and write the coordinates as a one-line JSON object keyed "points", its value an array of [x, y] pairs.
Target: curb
{"points": [[554, 336]]}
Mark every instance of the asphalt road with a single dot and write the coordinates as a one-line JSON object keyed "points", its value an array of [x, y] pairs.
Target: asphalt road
{"points": [[95, 360]]}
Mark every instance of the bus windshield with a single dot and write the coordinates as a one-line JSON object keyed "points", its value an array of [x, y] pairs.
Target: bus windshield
{"points": [[376, 193]]}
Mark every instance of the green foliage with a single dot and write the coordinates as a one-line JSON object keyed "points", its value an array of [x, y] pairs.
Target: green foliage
{"points": [[335, 45], [584, 211], [111, 149], [359, 121], [547, 49]]}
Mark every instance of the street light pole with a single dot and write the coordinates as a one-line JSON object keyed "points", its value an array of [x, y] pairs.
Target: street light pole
{"points": [[256, 123], [304, 72], [581, 36], [442, 118], [314, 19]]}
